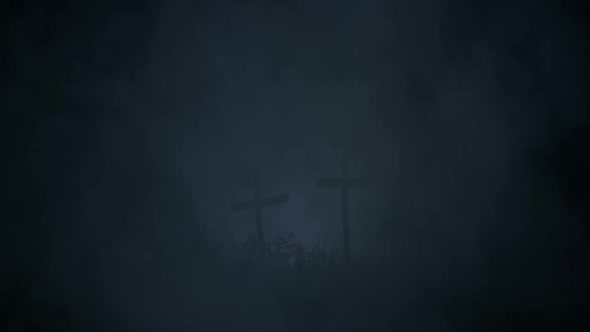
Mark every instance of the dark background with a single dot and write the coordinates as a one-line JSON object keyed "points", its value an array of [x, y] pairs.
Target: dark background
{"points": [[127, 127]]}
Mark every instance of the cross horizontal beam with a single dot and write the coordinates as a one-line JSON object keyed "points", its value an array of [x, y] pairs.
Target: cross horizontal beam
{"points": [[266, 201], [343, 182]]}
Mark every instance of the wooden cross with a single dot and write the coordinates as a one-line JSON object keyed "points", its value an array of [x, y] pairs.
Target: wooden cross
{"points": [[343, 183], [257, 203]]}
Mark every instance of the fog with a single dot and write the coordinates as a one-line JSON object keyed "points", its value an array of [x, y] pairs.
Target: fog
{"points": [[129, 127]]}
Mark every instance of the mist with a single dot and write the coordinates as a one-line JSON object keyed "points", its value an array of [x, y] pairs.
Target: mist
{"points": [[130, 127]]}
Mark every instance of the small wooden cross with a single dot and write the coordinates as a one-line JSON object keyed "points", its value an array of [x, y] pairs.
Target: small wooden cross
{"points": [[257, 203], [344, 183]]}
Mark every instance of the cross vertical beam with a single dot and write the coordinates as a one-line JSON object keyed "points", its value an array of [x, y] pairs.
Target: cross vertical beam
{"points": [[345, 225], [259, 230]]}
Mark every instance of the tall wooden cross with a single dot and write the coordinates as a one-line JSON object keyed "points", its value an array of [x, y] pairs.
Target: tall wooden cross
{"points": [[257, 203], [344, 183]]}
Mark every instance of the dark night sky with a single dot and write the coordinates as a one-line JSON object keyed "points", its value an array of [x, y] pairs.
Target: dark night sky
{"points": [[129, 125]]}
